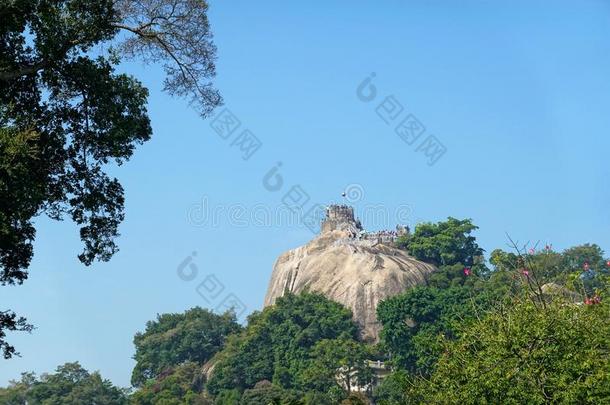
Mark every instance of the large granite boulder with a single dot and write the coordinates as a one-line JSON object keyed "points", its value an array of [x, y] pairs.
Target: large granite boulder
{"points": [[350, 266]]}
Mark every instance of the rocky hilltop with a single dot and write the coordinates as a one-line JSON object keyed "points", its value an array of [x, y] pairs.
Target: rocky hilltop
{"points": [[350, 266]]}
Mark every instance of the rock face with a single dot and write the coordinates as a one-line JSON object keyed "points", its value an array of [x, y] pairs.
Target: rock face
{"points": [[349, 266]]}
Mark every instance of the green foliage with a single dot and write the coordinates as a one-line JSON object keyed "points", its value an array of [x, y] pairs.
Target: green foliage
{"points": [[277, 343], [582, 268], [182, 385], [17, 391], [83, 115], [404, 317], [393, 389], [66, 114], [195, 336], [587, 262], [22, 192], [263, 393], [331, 397], [413, 321], [55, 85], [444, 243], [337, 362], [228, 397], [526, 353], [9, 321], [355, 398], [522, 344], [70, 385], [462, 285], [576, 257]]}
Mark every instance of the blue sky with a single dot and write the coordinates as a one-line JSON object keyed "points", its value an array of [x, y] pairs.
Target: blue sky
{"points": [[518, 94]]}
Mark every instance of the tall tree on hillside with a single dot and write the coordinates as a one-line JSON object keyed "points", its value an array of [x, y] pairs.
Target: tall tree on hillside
{"points": [[65, 113], [444, 243], [341, 363], [178, 385], [173, 339], [277, 345]]}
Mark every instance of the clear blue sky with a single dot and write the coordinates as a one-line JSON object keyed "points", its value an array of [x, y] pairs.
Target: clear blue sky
{"points": [[518, 93]]}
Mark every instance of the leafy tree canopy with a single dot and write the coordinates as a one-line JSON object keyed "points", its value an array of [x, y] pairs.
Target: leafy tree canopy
{"points": [[69, 385], [341, 363], [9, 321], [581, 268], [393, 389], [182, 385], [462, 285], [526, 353], [264, 392], [443, 243], [66, 114], [414, 321], [172, 339], [277, 343]]}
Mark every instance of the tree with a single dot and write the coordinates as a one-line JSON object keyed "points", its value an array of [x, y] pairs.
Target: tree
{"points": [[277, 343], [587, 262], [17, 391], [338, 362], [65, 114], [412, 322], [393, 389], [461, 287], [263, 392], [70, 385], [172, 339], [356, 398], [582, 268], [526, 353], [182, 385], [588, 255], [9, 321], [444, 243], [228, 397]]}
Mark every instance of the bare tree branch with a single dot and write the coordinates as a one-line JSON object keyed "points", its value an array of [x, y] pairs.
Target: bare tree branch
{"points": [[177, 34]]}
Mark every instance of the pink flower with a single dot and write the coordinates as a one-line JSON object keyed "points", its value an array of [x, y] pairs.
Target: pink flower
{"points": [[467, 271], [548, 247], [608, 263], [525, 272], [532, 251], [596, 299]]}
